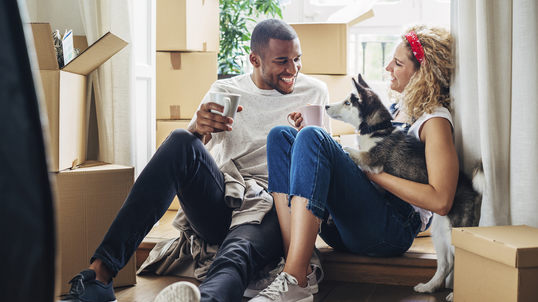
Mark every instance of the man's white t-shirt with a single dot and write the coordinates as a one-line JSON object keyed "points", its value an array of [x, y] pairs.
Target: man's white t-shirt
{"points": [[262, 110]]}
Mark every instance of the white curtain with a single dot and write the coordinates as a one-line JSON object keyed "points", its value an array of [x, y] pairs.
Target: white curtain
{"points": [[495, 102], [113, 81]]}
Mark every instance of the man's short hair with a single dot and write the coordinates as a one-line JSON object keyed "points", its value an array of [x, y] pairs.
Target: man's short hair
{"points": [[270, 29]]}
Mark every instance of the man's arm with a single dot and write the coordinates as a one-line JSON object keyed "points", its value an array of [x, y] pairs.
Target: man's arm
{"points": [[204, 138]]}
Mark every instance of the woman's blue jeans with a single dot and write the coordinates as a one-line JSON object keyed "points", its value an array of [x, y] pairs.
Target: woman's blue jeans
{"points": [[182, 166], [311, 164]]}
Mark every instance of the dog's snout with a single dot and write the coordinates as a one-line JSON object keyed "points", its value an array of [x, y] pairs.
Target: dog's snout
{"points": [[327, 107]]}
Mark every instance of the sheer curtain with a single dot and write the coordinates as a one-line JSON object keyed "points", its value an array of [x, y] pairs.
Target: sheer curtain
{"points": [[113, 81], [495, 102]]}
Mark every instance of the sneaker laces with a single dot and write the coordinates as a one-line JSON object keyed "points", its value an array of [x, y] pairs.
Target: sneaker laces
{"points": [[77, 285], [280, 285]]}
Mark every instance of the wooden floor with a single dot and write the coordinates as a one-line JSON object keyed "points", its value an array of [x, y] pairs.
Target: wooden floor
{"points": [[149, 285], [348, 277]]}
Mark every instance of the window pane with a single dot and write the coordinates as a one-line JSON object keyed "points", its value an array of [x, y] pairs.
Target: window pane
{"points": [[374, 53]]}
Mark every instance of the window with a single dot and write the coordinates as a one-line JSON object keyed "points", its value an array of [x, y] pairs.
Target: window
{"points": [[370, 54]]}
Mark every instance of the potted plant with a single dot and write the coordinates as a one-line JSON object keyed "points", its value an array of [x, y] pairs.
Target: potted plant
{"points": [[235, 16]]}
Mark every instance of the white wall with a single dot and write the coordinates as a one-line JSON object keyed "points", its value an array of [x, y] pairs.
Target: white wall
{"points": [[61, 14]]}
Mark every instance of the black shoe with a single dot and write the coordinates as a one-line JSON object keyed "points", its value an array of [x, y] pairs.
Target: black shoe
{"points": [[85, 288]]}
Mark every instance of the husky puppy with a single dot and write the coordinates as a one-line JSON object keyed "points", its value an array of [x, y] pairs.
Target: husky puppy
{"points": [[384, 147]]}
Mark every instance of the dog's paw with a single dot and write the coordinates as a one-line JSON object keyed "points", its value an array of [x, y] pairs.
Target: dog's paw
{"points": [[424, 288], [350, 149], [450, 297], [355, 154]]}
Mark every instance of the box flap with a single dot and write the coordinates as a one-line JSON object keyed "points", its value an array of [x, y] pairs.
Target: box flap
{"points": [[44, 46], [516, 246], [354, 13], [95, 55]]}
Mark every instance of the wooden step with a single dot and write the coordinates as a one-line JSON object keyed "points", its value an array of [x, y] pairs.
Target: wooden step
{"points": [[417, 265]]}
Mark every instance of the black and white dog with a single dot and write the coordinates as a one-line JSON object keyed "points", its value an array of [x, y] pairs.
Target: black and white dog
{"points": [[384, 147]]}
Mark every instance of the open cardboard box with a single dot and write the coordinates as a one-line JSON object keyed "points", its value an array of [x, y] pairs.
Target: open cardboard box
{"points": [[65, 92], [497, 263], [188, 25], [325, 44]]}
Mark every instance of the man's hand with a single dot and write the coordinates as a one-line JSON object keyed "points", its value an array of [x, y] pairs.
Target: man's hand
{"points": [[208, 122]]}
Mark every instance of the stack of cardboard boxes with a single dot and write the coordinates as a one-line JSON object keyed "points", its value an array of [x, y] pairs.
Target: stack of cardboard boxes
{"points": [[187, 49], [88, 195], [325, 56]]}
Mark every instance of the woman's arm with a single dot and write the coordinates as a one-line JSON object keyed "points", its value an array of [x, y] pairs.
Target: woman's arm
{"points": [[443, 170]]}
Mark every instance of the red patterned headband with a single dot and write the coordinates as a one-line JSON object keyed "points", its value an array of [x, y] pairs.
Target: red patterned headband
{"points": [[416, 47]]}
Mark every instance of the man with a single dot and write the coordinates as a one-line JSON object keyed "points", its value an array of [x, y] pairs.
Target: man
{"points": [[245, 227]]}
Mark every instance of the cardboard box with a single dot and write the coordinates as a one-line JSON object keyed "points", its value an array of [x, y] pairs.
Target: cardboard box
{"points": [[325, 44], [164, 127], [188, 25], [339, 88], [183, 79], [88, 199], [65, 93], [496, 263]]}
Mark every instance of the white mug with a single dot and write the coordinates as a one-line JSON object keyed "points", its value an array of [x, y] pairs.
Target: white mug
{"points": [[312, 115], [230, 102]]}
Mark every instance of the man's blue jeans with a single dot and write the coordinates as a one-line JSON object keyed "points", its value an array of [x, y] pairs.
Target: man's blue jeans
{"points": [[182, 166], [311, 164]]}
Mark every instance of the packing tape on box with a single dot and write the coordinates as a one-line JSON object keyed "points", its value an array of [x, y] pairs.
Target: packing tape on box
{"points": [[175, 112], [175, 60]]}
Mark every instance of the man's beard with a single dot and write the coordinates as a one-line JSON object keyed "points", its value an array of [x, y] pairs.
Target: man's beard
{"points": [[271, 83]]}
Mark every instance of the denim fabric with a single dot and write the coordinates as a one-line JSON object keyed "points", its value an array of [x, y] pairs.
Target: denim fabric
{"points": [[182, 166], [311, 164]]}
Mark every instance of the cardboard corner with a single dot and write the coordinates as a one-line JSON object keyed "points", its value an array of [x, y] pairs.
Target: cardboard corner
{"points": [[96, 54], [353, 13], [369, 14], [44, 46]]}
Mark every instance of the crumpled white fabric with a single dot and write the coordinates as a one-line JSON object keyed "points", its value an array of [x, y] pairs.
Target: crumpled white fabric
{"points": [[190, 256]]}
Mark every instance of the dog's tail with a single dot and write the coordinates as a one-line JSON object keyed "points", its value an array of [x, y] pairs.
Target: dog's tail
{"points": [[479, 178], [479, 184]]}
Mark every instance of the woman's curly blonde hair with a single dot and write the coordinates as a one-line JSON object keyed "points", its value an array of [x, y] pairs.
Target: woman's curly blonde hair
{"points": [[428, 87]]}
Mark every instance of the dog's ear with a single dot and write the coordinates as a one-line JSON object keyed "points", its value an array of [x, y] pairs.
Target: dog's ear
{"points": [[362, 82], [358, 89]]}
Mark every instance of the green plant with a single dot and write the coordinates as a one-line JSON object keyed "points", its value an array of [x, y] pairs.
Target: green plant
{"points": [[235, 15]]}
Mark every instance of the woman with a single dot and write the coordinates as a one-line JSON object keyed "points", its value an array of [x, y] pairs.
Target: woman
{"points": [[319, 178]]}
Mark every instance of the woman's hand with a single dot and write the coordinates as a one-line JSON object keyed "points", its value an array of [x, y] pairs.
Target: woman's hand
{"points": [[297, 119]]}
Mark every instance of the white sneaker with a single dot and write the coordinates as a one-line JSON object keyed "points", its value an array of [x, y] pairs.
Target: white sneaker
{"points": [[179, 292], [285, 288], [256, 286], [263, 279], [313, 281]]}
